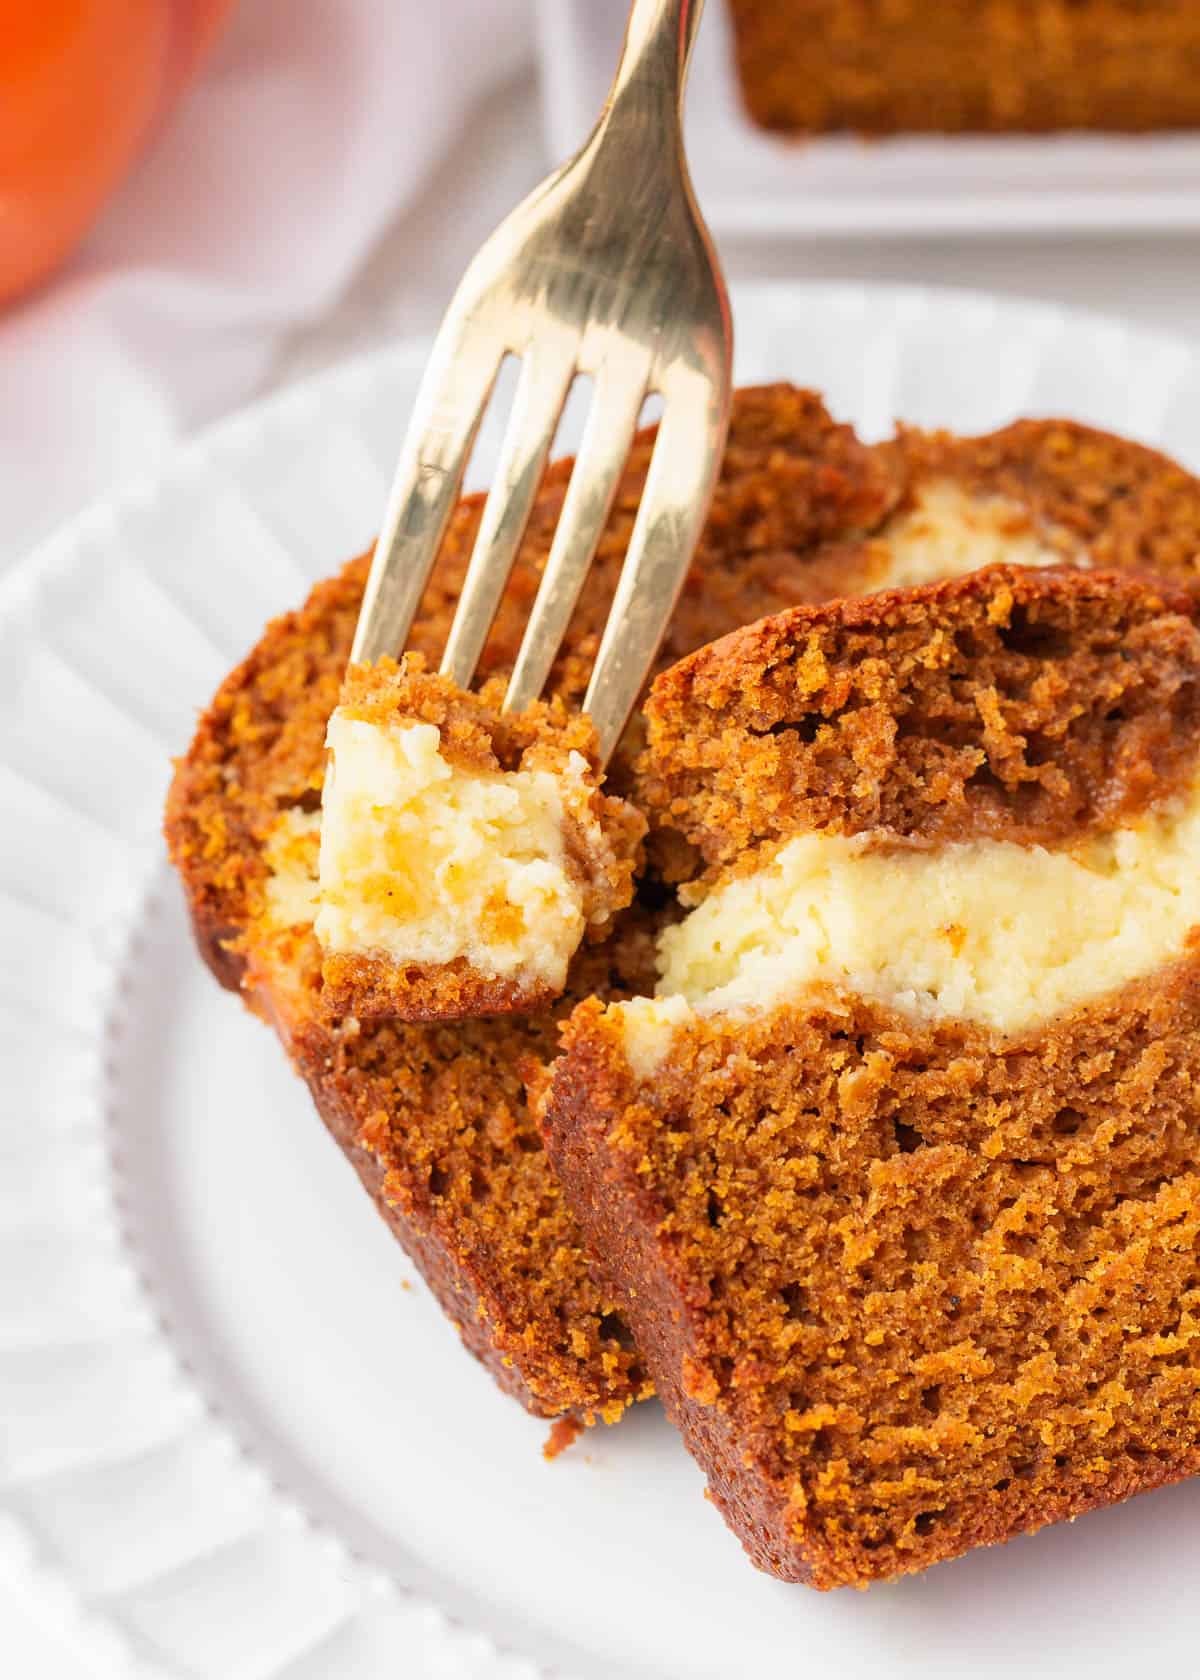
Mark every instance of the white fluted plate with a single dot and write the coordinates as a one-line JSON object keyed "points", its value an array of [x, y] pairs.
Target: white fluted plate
{"points": [[234, 1444]]}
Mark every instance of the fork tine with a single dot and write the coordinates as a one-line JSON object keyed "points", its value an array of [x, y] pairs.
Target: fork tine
{"points": [[594, 478], [454, 393], [546, 376], [679, 484]]}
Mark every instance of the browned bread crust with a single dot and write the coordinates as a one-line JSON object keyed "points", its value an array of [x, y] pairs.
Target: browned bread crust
{"points": [[967, 708], [895, 66], [436, 1118], [436, 1122], [374, 987]]}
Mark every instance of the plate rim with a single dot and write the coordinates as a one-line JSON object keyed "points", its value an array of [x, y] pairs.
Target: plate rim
{"points": [[25, 573]]}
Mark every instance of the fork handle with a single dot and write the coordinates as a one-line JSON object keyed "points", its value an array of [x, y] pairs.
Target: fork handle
{"points": [[654, 59]]}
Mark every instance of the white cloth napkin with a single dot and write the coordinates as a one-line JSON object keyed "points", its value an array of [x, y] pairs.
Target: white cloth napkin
{"points": [[312, 127]]}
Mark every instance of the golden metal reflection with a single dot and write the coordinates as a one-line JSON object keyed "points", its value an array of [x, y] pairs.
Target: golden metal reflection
{"points": [[607, 269]]}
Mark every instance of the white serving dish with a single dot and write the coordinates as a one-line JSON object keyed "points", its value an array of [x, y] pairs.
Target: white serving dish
{"points": [[750, 182]]}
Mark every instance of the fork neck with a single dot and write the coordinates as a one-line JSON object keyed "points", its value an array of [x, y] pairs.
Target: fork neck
{"points": [[654, 62]]}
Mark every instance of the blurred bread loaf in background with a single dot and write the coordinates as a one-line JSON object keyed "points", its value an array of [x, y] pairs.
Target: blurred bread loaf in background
{"points": [[969, 66]]}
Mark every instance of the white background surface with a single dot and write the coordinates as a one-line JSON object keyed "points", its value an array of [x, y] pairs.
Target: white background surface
{"points": [[403, 285]]}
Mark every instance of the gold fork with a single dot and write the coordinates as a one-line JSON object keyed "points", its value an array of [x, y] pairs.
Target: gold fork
{"points": [[607, 269]]}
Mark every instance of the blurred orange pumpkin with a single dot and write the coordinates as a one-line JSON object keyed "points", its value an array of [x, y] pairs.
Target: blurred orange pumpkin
{"points": [[82, 83]]}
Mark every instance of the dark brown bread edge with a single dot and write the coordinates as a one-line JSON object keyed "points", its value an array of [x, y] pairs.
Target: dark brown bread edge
{"points": [[620, 1220], [853, 716], [818, 66], [217, 944], [455, 1290], [377, 988]]}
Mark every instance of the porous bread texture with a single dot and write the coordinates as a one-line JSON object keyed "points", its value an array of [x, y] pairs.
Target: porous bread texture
{"points": [[436, 1118], [465, 852], [904, 1289], [962, 66], [1050, 491], [906, 1282]]}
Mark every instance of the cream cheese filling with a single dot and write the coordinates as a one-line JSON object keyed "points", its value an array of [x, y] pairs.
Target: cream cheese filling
{"points": [[424, 862], [950, 532], [985, 931], [291, 854]]}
